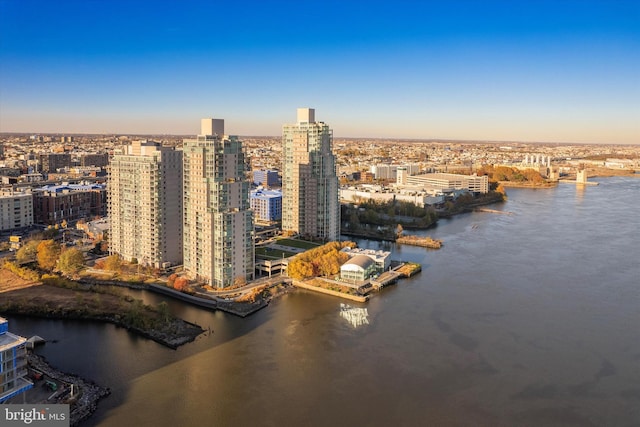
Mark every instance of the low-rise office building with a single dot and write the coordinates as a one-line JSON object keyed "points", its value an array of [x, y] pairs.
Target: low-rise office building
{"points": [[266, 205], [448, 182], [53, 204]]}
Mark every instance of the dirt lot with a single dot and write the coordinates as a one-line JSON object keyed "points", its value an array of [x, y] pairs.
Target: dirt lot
{"points": [[11, 282]]}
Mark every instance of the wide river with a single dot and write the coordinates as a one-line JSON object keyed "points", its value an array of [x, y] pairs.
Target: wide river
{"points": [[530, 318]]}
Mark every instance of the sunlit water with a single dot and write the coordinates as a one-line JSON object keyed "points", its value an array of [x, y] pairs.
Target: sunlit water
{"points": [[523, 319]]}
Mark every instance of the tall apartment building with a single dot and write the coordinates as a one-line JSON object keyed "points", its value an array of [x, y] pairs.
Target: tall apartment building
{"points": [[218, 221], [16, 210], [50, 162], [310, 204], [145, 204], [13, 363]]}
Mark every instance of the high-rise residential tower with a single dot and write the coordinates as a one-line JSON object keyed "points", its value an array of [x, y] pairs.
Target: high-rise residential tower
{"points": [[218, 221], [145, 204], [310, 200]]}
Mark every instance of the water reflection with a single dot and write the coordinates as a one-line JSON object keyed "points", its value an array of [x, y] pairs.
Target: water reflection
{"points": [[354, 315]]}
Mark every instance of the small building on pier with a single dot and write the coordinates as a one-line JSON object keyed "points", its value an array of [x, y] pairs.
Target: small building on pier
{"points": [[358, 269]]}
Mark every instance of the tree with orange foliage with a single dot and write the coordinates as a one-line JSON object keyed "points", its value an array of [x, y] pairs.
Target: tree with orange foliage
{"points": [[180, 284], [48, 253], [171, 280]]}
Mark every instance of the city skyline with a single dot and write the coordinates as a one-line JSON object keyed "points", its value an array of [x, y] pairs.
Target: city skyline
{"points": [[543, 71]]}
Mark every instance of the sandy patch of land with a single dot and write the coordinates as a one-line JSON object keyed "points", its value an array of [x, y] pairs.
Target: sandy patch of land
{"points": [[11, 282]]}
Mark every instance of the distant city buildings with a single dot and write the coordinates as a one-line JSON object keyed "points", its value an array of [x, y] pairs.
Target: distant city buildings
{"points": [[266, 178], [389, 172], [51, 162], [94, 159], [266, 205], [13, 363], [310, 204], [218, 221], [145, 204]]}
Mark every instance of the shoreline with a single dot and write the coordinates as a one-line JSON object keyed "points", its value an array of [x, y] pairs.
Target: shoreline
{"points": [[302, 285], [51, 302], [90, 392]]}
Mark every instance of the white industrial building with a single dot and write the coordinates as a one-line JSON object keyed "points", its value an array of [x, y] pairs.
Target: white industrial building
{"points": [[449, 182], [358, 269], [380, 258]]}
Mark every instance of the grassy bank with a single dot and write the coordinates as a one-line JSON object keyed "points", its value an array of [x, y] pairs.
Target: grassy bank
{"points": [[107, 305]]}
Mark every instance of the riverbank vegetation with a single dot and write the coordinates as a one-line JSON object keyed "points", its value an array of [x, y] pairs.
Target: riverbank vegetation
{"points": [[466, 202], [380, 220], [499, 174], [332, 286], [408, 269], [321, 261], [62, 298], [386, 213]]}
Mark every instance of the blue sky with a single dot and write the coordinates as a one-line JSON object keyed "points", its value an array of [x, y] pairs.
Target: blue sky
{"points": [[565, 71]]}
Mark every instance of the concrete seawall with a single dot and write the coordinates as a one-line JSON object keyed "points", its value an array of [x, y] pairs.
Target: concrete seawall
{"points": [[201, 302], [303, 285]]}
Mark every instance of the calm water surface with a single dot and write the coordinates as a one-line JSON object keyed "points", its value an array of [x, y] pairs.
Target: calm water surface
{"points": [[524, 319]]}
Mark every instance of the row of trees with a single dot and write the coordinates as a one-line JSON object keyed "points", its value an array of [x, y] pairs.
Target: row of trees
{"points": [[321, 261], [50, 255], [388, 213]]}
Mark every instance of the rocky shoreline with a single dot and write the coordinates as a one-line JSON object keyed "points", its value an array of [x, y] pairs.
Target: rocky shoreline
{"points": [[89, 393], [59, 303]]}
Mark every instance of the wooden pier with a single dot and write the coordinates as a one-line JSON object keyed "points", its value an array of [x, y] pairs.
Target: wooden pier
{"points": [[386, 278]]}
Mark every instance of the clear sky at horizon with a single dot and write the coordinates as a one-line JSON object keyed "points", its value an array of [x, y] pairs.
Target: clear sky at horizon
{"points": [[562, 71]]}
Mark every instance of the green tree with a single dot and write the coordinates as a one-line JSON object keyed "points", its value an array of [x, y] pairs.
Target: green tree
{"points": [[48, 253], [71, 261], [28, 252], [163, 311]]}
